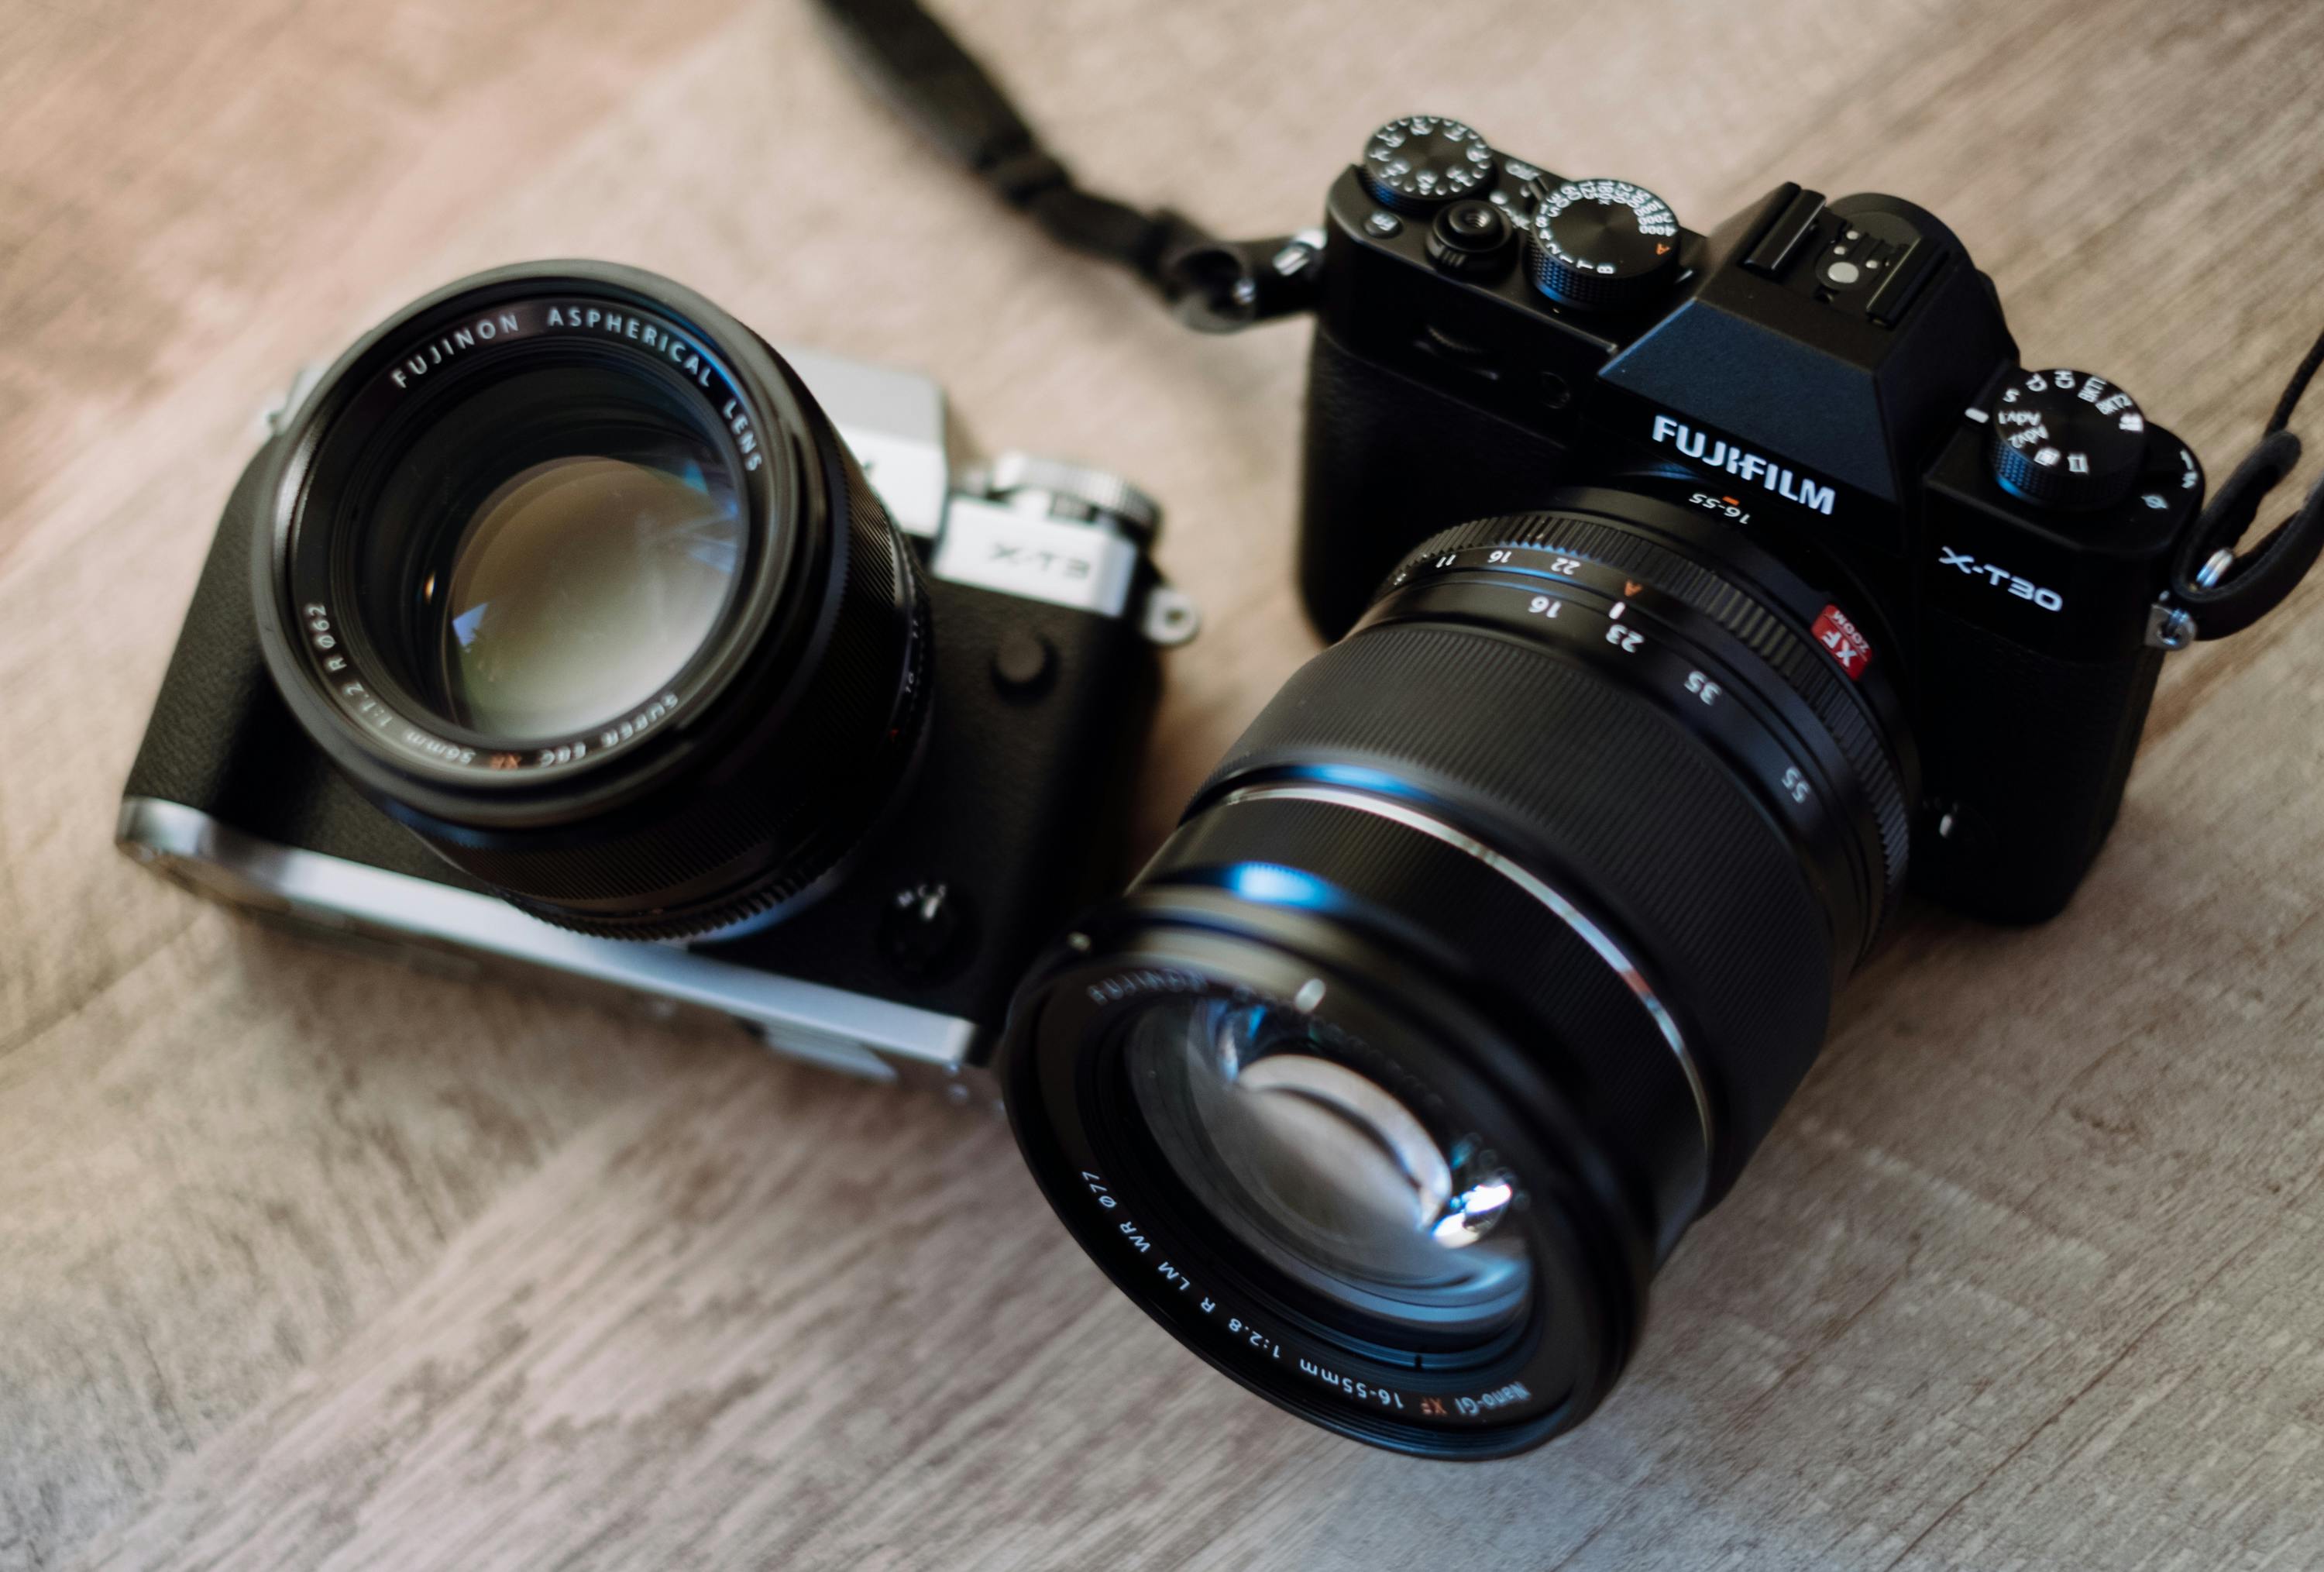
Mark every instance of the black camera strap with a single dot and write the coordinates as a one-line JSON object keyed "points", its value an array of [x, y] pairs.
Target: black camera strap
{"points": [[1214, 285], [1221, 285], [2225, 591]]}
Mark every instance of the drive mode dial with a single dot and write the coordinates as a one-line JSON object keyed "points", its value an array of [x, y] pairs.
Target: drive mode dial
{"points": [[1602, 245], [1422, 161], [2065, 438]]}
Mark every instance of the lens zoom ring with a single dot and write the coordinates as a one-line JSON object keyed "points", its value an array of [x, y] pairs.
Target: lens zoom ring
{"points": [[1762, 631], [1645, 829]]}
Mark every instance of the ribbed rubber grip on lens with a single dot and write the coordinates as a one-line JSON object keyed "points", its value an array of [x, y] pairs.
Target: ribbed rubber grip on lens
{"points": [[1748, 619], [1606, 798]]}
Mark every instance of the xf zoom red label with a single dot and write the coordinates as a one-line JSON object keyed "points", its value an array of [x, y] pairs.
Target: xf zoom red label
{"points": [[1843, 641]]}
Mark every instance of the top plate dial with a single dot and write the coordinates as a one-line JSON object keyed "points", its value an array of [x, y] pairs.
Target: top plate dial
{"points": [[1602, 245], [2064, 438], [1422, 161]]}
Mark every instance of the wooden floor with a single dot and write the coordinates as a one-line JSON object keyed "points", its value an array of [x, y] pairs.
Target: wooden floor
{"points": [[308, 1261]]}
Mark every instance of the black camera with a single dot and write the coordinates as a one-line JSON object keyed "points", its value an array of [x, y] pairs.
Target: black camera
{"points": [[1694, 588], [1832, 382], [560, 613]]}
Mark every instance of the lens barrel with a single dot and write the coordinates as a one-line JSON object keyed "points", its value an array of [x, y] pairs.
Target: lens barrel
{"points": [[1565, 848], [566, 570]]}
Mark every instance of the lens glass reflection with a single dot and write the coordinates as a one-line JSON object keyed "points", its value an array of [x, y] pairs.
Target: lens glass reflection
{"points": [[582, 585], [548, 550], [1323, 1171]]}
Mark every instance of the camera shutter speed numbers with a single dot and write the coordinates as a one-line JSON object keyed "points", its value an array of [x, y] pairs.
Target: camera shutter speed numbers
{"points": [[1603, 245]]}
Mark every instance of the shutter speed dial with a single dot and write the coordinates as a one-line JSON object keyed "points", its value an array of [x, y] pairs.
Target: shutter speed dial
{"points": [[1603, 245], [2064, 438], [1418, 163]]}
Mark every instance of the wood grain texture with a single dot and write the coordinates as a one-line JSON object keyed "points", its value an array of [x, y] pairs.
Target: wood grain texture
{"points": [[305, 1261]]}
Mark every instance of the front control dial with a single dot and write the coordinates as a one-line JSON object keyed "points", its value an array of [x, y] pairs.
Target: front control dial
{"points": [[1603, 245], [1422, 161], [2064, 438]]}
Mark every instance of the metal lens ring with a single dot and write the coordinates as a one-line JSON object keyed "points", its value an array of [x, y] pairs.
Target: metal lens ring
{"points": [[502, 441], [564, 569], [1301, 1182]]}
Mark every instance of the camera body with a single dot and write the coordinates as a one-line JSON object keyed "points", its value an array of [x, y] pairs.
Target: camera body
{"points": [[1833, 379], [1046, 614]]}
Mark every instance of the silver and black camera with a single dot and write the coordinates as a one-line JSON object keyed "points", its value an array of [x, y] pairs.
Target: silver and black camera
{"points": [[561, 613]]}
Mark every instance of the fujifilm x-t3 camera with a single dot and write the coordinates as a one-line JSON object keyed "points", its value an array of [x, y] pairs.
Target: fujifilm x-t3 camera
{"points": [[562, 614]]}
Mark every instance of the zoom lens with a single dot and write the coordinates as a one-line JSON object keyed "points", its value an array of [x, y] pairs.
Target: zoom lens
{"points": [[567, 570], [1476, 972]]}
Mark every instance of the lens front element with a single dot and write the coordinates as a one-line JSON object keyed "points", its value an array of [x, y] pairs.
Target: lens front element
{"points": [[1324, 1170], [568, 572], [580, 586]]}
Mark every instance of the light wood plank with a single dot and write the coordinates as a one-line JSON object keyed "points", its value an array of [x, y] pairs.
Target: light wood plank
{"points": [[307, 1262]]}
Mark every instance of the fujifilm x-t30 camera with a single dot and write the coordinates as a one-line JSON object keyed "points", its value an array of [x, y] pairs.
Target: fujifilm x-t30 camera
{"points": [[1831, 382], [562, 613], [1696, 595]]}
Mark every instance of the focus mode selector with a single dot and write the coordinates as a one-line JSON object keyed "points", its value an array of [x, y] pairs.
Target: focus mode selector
{"points": [[1601, 245], [2065, 438], [1422, 161]]}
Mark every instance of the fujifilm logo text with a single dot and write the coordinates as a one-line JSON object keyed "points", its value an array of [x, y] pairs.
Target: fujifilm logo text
{"points": [[1716, 454]]}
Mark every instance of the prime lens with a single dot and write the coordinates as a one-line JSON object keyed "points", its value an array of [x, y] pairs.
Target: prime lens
{"points": [[564, 569], [1476, 971]]}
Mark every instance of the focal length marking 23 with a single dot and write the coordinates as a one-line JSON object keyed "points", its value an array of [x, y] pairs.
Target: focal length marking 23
{"points": [[1602, 615]]}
